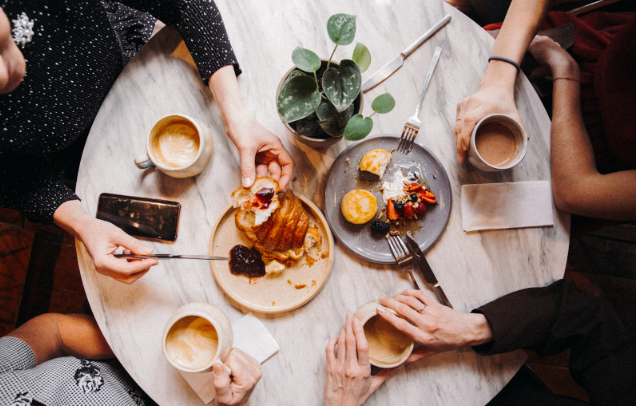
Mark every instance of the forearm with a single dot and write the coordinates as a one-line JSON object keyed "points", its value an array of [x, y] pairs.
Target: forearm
{"points": [[578, 187], [226, 93], [72, 217], [519, 27], [55, 335]]}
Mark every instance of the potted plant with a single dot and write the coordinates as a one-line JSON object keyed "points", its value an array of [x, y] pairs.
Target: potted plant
{"points": [[319, 100]]}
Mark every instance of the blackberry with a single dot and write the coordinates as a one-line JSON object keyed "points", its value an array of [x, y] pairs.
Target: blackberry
{"points": [[399, 206], [380, 227]]}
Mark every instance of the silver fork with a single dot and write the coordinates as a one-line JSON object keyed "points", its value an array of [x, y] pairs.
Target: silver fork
{"points": [[412, 126], [402, 256]]}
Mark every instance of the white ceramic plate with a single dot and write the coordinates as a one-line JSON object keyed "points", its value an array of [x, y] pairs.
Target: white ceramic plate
{"points": [[277, 293]]}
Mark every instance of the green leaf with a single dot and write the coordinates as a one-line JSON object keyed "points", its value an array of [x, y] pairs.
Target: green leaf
{"points": [[326, 110], [305, 59], [333, 124], [309, 127], [358, 128], [342, 28], [293, 74], [362, 56], [298, 98], [342, 87], [383, 103]]}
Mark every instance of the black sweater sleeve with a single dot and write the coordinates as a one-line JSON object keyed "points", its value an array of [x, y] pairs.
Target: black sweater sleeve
{"points": [[201, 27], [28, 184], [560, 316]]}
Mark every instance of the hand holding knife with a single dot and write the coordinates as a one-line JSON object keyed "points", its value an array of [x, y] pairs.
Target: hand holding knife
{"points": [[171, 256], [422, 264]]}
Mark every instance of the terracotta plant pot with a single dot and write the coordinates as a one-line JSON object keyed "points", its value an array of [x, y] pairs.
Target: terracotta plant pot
{"points": [[358, 105]]}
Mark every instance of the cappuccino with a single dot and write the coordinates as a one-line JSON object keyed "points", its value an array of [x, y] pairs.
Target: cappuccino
{"points": [[387, 345], [192, 342], [496, 143], [177, 144]]}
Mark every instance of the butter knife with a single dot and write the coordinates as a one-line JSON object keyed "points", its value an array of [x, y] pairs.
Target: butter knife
{"points": [[422, 264], [171, 256], [388, 69]]}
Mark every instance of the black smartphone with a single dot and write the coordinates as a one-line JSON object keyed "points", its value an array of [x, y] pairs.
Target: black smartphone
{"points": [[141, 217]]}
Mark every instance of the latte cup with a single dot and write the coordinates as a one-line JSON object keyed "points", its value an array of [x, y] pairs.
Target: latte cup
{"points": [[177, 145], [498, 142], [197, 336], [388, 347]]}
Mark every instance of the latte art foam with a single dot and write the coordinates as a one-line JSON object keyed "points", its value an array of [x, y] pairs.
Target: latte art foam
{"points": [[177, 144], [192, 342]]}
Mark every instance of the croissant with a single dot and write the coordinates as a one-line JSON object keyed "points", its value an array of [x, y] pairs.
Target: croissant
{"points": [[286, 234]]}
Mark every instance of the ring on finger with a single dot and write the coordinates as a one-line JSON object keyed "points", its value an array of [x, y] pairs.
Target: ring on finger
{"points": [[421, 310]]}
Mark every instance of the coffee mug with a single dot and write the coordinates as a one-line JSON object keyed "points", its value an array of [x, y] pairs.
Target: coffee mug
{"points": [[179, 146], [197, 336], [388, 347], [498, 142]]}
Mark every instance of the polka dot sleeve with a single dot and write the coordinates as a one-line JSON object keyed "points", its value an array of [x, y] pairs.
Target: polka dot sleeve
{"points": [[27, 184], [200, 24]]}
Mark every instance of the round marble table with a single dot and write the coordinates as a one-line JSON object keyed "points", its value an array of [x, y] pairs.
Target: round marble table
{"points": [[473, 268]]}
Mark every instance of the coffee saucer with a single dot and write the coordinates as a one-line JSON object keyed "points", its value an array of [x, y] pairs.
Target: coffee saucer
{"points": [[281, 292]]}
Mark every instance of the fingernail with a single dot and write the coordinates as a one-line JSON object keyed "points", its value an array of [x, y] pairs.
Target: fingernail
{"points": [[381, 298], [247, 181], [356, 322], [380, 310]]}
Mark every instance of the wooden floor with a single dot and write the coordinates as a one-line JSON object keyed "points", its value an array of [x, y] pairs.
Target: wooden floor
{"points": [[39, 274]]}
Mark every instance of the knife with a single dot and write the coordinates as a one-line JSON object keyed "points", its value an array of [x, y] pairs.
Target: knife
{"points": [[171, 256], [388, 69], [422, 264]]}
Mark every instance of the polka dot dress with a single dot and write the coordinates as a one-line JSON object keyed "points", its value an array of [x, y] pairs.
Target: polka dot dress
{"points": [[73, 59]]}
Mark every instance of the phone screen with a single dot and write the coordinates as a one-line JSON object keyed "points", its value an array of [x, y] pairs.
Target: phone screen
{"points": [[141, 217]]}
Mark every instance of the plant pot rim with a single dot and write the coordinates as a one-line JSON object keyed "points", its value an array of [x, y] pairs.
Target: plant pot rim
{"points": [[312, 142]]}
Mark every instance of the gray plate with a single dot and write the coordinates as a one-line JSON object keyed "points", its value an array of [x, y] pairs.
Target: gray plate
{"points": [[343, 177]]}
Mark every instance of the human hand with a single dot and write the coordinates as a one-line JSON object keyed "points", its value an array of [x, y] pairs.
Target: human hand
{"points": [[235, 390], [349, 381], [261, 152], [438, 328], [554, 60], [102, 240], [489, 99]]}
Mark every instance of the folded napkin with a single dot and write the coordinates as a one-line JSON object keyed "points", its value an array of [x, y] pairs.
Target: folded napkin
{"points": [[492, 206], [251, 336]]}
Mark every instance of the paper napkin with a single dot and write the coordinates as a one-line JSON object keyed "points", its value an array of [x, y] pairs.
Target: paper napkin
{"points": [[251, 336], [492, 206]]}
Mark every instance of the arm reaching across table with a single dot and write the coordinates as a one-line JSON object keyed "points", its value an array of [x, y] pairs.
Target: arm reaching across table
{"points": [[547, 320]]}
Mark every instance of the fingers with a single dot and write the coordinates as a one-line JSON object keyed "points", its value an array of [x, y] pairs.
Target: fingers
{"points": [[400, 308], [539, 73], [420, 353], [261, 170], [362, 344], [110, 264], [246, 371], [421, 296], [119, 237], [412, 302], [275, 171], [350, 340], [463, 140], [397, 322], [248, 166], [342, 351], [330, 350], [287, 165], [222, 383]]}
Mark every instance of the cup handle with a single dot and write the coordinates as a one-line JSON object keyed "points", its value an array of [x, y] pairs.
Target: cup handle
{"points": [[143, 161]]}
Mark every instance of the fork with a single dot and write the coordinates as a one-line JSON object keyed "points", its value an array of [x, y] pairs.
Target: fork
{"points": [[412, 126], [402, 256]]}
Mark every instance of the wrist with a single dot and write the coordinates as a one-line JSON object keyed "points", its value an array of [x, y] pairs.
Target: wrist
{"points": [[500, 74], [566, 69], [480, 330], [72, 217]]}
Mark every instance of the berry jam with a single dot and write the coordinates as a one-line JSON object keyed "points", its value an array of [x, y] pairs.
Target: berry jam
{"points": [[246, 261], [264, 197]]}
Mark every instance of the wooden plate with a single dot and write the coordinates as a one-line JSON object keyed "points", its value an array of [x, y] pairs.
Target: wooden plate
{"points": [[280, 292]]}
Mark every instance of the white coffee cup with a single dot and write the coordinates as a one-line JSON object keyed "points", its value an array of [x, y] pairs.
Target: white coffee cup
{"points": [[366, 314], [516, 133], [178, 145], [187, 342]]}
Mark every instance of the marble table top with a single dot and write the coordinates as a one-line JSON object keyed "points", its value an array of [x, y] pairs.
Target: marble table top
{"points": [[474, 268]]}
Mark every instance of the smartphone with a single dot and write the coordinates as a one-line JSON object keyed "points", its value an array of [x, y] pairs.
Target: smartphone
{"points": [[141, 217]]}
